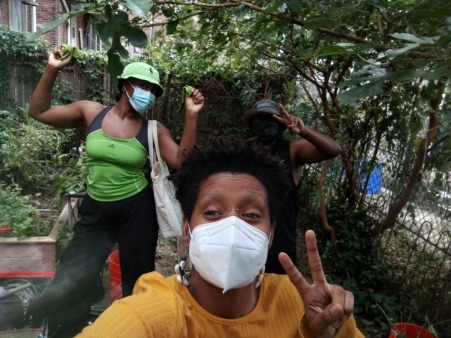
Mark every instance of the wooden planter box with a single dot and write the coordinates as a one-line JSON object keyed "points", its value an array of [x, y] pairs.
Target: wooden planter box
{"points": [[35, 256]]}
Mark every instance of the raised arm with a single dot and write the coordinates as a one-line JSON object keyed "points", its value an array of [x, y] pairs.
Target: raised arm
{"points": [[328, 307], [171, 152], [66, 116], [314, 147]]}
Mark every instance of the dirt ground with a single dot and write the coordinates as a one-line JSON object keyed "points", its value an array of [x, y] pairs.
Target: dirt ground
{"points": [[167, 256]]}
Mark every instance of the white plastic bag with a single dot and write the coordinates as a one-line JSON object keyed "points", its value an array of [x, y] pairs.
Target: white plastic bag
{"points": [[169, 213]]}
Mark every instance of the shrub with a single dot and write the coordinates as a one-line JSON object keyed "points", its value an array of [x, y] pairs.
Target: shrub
{"points": [[16, 211]]}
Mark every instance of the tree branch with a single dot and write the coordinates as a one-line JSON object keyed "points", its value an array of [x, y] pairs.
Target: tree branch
{"points": [[433, 129], [236, 3]]}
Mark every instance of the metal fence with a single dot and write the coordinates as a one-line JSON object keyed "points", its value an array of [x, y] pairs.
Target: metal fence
{"points": [[419, 246]]}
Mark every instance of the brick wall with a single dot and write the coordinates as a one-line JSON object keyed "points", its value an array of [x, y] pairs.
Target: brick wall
{"points": [[47, 11], [4, 13]]}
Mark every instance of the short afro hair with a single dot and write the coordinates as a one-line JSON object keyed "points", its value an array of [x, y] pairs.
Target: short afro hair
{"points": [[232, 155]]}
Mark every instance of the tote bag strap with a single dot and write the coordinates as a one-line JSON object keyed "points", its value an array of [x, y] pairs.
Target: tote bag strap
{"points": [[153, 141]]}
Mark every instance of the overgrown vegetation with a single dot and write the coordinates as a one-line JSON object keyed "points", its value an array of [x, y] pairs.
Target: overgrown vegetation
{"points": [[17, 212], [388, 288], [354, 262], [372, 75]]}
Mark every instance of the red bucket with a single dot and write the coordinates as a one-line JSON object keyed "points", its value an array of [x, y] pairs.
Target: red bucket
{"points": [[410, 331], [115, 276]]}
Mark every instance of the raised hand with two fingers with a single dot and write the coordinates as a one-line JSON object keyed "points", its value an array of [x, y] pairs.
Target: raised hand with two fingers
{"points": [[294, 124], [327, 306]]}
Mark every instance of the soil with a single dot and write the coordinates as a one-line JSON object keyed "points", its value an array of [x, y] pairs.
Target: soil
{"points": [[167, 256]]}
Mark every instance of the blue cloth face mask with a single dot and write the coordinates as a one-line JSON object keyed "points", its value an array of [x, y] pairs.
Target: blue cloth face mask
{"points": [[141, 99]]}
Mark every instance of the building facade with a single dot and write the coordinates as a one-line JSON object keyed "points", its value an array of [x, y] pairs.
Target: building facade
{"points": [[29, 15]]}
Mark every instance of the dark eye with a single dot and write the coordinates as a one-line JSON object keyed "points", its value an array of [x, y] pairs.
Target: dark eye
{"points": [[149, 88], [252, 215], [212, 213]]}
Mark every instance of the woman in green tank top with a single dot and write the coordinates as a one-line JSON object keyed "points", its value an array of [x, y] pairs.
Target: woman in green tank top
{"points": [[119, 206]]}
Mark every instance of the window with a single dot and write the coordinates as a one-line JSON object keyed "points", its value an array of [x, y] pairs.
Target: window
{"points": [[17, 16]]}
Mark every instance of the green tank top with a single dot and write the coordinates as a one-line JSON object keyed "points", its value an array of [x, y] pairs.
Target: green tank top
{"points": [[115, 167]]}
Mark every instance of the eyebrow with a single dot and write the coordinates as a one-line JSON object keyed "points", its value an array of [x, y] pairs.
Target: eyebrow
{"points": [[219, 197]]}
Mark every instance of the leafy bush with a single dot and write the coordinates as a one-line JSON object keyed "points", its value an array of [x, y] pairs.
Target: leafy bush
{"points": [[29, 155], [16, 51], [16, 211], [354, 263], [72, 178]]}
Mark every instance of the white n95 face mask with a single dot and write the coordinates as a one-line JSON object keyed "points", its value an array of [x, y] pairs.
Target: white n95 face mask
{"points": [[228, 253]]}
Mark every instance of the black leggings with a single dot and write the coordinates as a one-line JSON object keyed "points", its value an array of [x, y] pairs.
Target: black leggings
{"points": [[132, 224]]}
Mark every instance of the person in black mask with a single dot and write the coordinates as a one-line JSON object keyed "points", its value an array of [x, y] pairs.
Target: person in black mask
{"points": [[267, 122]]}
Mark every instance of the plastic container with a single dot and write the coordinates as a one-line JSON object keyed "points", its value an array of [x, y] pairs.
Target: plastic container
{"points": [[375, 182], [114, 267], [410, 330], [5, 231]]}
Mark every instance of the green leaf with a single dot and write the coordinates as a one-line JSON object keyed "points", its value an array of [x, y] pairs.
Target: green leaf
{"points": [[119, 26], [414, 39], [117, 47], [405, 75], [167, 12], [392, 53], [135, 36], [139, 7], [115, 66], [101, 28], [171, 27], [188, 90], [341, 49], [360, 92], [49, 26], [294, 5], [108, 12], [319, 22], [154, 9]]}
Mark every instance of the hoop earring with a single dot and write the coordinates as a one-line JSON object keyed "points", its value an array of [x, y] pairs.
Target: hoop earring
{"points": [[182, 274]]}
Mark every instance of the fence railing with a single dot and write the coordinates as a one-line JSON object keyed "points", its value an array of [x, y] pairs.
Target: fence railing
{"points": [[419, 246]]}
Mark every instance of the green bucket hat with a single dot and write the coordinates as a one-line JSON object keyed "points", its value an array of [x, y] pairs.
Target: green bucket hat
{"points": [[142, 71]]}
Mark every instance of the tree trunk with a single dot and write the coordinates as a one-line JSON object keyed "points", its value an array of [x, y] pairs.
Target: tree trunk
{"points": [[396, 207], [322, 203]]}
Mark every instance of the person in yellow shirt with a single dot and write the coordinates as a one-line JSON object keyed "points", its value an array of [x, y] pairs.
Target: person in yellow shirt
{"points": [[230, 191]]}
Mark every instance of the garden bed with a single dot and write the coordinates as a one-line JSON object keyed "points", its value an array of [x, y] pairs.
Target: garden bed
{"points": [[35, 256]]}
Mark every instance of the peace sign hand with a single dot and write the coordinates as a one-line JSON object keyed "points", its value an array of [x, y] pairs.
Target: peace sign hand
{"points": [[327, 306], [294, 124]]}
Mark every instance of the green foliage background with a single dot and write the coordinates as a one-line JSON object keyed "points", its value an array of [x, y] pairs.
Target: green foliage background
{"points": [[368, 73]]}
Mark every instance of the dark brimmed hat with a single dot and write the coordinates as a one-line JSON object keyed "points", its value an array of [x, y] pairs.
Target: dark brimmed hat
{"points": [[262, 107], [141, 71]]}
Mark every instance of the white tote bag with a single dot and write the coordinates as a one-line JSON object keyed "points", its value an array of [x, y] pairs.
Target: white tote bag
{"points": [[169, 213]]}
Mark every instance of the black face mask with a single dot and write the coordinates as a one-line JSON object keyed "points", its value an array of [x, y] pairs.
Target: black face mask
{"points": [[265, 128]]}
